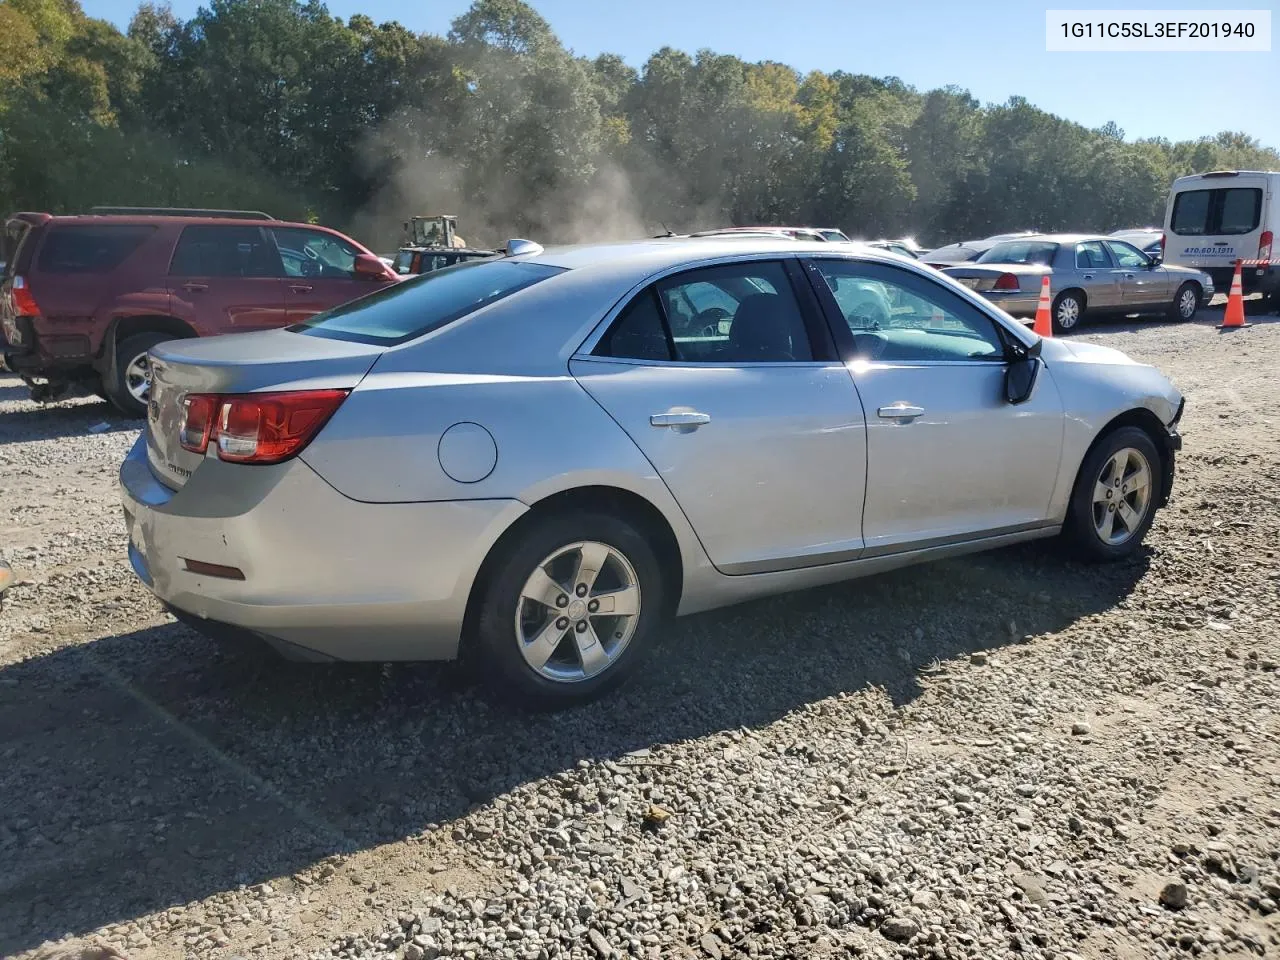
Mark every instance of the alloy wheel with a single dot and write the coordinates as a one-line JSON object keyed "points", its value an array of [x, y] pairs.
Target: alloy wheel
{"points": [[1121, 496], [1068, 312], [137, 378], [1187, 304], [577, 611]]}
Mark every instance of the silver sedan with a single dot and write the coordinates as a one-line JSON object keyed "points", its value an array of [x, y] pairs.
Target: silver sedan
{"points": [[1087, 274], [529, 462]]}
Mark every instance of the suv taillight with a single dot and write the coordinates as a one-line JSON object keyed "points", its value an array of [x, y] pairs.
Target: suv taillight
{"points": [[1264, 247], [24, 302], [1006, 281], [256, 427]]}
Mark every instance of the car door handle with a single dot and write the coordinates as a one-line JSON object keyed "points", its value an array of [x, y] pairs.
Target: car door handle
{"points": [[687, 419], [195, 287], [1128, 276], [900, 411], [1088, 276], [300, 287]]}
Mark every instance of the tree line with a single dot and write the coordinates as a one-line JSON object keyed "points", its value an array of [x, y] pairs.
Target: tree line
{"points": [[280, 106]]}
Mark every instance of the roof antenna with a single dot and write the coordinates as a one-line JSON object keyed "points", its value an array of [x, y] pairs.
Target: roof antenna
{"points": [[669, 233]]}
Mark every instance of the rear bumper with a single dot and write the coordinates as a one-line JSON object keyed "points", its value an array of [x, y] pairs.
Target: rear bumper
{"points": [[27, 349], [1018, 303], [323, 576]]}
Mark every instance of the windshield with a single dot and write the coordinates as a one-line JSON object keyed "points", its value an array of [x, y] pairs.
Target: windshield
{"points": [[1021, 251], [424, 303], [835, 236]]}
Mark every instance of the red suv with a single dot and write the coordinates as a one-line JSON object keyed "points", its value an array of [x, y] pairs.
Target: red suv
{"points": [[83, 298]]}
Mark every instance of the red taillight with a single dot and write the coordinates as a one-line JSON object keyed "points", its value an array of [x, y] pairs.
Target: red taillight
{"points": [[24, 301], [198, 411], [1264, 246], [1163, 240], [256, 427], [1006, 281]]}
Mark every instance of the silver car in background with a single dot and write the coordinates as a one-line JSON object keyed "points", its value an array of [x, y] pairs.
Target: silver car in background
{"points": [[529, 462], [1088, 273]]}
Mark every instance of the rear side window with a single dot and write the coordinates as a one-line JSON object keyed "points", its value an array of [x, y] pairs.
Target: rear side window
{"points": [[225, 251], [96, 248], [426, 302], [1226, 211]]}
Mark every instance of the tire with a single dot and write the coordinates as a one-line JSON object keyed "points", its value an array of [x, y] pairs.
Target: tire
{"points": [[116, 381], [1185, 302], [1068, 311], [495, 649], [1082, 528]]}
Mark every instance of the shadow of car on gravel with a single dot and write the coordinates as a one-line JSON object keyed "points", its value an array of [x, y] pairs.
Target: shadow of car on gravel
{"points": [[155, 768]]}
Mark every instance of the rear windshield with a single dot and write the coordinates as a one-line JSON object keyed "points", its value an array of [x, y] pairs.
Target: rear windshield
{"points": [[1021, 251], [418, 305], [95, 248], [1225, 211], [956, 254]]}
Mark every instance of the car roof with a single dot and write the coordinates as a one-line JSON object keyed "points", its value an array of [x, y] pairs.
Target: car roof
{"points": [[141, 219], [1055, 238], [663, 253]]}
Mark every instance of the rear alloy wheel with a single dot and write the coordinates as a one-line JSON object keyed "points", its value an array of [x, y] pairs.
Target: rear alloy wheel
{"points": [[567, 608], [1114, 500], [1068, 311], [1185, 302], [128, 383]]}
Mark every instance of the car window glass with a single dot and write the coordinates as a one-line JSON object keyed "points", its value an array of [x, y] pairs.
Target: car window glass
{"points": [[638, 333], [1021, 251], [897, 316], [224, 251], [1091, 255], [753, 317], [404, 262], [89, 249], [1191, 213], [1126, 255], [1240, 210], [315, 253], [418, 305]]}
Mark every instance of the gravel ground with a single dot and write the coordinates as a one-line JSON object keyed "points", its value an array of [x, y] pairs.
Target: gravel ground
{"points": [[1005, 755]]}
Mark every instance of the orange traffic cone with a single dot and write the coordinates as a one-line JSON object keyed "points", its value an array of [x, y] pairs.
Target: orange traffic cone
{"points": [[1233, 319], [1044, 325]]}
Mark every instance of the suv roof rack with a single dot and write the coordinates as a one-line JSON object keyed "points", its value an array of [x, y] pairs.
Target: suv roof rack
{"points": [[179, 212]]}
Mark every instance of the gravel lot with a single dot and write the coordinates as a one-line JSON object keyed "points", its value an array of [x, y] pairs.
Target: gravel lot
{"points": [[1006, 755]]}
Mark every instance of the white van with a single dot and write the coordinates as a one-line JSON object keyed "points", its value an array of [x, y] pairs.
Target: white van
{"points": [[1213, 219]]}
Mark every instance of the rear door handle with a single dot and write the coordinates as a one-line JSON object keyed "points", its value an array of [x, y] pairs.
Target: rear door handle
{"points": [[690, 419], [1088, 276], [192, 287], [1128, 276], [900, 411], [300, 287]]}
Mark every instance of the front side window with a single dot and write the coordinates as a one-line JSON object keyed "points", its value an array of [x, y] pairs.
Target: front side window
{"points": [[314, 253], [90, 249], [1021, 251], [224, 251], [894, 315], [418, 305], [1128, 257], [1091, 256], [735, 313]]}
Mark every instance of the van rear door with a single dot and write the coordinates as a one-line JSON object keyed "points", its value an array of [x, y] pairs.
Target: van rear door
{"points": [[1215, 219]]}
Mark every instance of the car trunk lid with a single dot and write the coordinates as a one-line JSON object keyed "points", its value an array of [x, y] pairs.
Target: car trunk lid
{"points": [[272, 360], [983, 277]]}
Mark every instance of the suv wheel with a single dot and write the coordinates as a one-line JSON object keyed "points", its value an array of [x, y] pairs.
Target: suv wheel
{"points": [[128, 383], [567, 610]]}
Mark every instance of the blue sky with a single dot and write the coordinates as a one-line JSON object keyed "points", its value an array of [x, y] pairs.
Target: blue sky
{"points": [[993, 48]]}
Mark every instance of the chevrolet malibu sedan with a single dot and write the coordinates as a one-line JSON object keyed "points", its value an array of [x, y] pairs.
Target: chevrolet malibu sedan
{"points": [[1087, 273], [531, 462]]}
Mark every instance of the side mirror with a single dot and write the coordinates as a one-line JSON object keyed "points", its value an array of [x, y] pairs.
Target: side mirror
{"points": [[369, 267], [1022, 371], [1154, 261]]}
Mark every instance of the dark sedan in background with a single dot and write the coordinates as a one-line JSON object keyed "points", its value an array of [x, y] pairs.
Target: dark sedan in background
{"points": [[1087, 273]]}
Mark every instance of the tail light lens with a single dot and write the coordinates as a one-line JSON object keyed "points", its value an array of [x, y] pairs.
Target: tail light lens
{"points": [[1264, 246], [198, 412], [256, 427], [1006, 281], [1164, 238], [24, 302]]}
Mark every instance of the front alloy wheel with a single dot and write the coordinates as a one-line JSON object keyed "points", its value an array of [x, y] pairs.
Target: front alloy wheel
{"points": [[578, 611], [1121, 496]]}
